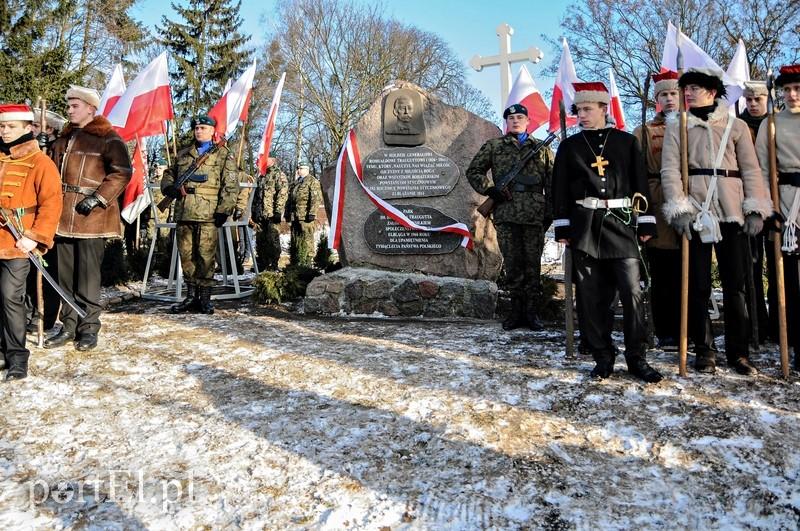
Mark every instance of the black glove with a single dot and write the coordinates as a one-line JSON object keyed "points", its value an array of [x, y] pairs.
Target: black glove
{"points": [[310, 218], [683, 225], [753, 224], [172, 191], [497, 194], [41, 138], [220, 219], [86, 205], [774, 222], [276, 218], [237, 214]]}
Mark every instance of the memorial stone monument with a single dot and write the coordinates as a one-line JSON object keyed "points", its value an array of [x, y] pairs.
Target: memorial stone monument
{"points": [[414, 152]]}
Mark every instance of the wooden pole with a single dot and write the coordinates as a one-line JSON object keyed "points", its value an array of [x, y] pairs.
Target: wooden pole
{"points": [[683, 344], [569, 316], [241, 145], [39, 287], [777, 240], [166, 143]]}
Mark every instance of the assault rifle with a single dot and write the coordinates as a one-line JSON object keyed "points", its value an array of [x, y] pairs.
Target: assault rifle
{"points": [[8, 222], [185, 176], [487, 207]]}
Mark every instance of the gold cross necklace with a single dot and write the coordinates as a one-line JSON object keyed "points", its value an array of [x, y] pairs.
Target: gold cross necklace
{"points": [[599, 162]]}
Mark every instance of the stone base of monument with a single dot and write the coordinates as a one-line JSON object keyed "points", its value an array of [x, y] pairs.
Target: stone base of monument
{"points": [[356, 291]]}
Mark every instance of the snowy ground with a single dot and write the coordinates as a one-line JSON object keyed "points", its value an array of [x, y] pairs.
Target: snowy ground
{"points": [[260, 419]]}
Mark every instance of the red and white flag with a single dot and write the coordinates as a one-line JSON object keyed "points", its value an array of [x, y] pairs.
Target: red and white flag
{"points": [[233, 105], [350, 157], [616, 104], [269, 128], [113, 91], [525, 92], [146, 104], [135, 199], [563, 89]]}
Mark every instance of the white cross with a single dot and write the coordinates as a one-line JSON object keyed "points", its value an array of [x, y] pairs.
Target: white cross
{"points": [[504, 60]]}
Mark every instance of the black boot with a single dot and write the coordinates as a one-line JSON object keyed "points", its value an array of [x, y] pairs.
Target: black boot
{"points": [[190, 303], [516, 319], [604, 364], [87, 342], [61, 338], [204, 300], [705, 361], [17, 367], [742, 365], [532, 315], [638, 366]]}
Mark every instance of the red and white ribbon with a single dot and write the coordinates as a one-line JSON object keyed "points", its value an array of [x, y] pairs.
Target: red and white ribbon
{"points": [[349, 154]]}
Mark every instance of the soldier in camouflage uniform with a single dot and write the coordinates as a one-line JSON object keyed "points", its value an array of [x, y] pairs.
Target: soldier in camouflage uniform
{"points": [[268, 206], [237, 233], [305, 198], [522, 214], [210, 197]]}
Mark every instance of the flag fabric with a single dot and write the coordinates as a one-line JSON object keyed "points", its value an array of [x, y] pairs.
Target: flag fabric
{"points": [[615, 109], [233, 105], [269, 128], [349, 154], [693, 55], [146, 104], [739, 72], [134, 198], [113, 91], [563, 89], [525, 92]]}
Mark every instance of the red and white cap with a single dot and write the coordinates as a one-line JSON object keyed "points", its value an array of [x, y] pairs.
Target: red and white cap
{"points": [[591, 92], [13, 111], [665, 81]]}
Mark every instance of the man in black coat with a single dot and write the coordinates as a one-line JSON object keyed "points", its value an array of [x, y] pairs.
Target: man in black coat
{"points": [[599, 183]]}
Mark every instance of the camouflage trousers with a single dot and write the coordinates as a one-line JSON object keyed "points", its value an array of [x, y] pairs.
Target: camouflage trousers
{"points": [[302, 248], [197, 245], [521, 246], [268, 246]]}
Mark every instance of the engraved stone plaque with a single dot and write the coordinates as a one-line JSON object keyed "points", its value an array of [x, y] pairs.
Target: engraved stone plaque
{"points": [[403, 121], [383, 235], [409, 172]]}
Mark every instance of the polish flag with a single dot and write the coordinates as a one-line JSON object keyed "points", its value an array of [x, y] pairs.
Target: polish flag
{"points": [[233, 105], [563, 89], [143, 108], [269, 128], [113, 91], [525, 92], [739, 72], [616, 103], [134, 199], [693, 55]]}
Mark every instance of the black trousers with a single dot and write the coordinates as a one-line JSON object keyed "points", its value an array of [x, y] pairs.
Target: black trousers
{"points": [[791, 275], [79, 261], [12, 288], [52, 301], [598, 280], [665, 291], [731, 254]]}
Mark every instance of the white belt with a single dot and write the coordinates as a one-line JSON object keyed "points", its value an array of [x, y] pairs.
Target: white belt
{"points": [[593, 203]]}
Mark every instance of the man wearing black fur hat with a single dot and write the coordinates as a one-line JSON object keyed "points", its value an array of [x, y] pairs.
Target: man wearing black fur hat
{"points": [[727, 203]]}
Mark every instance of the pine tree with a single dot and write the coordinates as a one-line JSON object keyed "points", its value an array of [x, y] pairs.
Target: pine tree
{"points": [[208, 49]]}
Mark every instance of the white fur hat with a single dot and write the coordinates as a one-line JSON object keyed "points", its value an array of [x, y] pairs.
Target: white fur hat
{"points": [[754, 89], [90, 96]]}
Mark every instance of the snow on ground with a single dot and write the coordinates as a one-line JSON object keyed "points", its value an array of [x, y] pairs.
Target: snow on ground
{"points": [[258, 418]]}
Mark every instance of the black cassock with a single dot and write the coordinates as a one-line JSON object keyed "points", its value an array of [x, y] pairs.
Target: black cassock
{"points": [[600, 233]]}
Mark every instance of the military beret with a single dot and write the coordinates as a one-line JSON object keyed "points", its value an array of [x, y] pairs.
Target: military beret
{"points": [[204, 119], [303, 164], [517, 108]]}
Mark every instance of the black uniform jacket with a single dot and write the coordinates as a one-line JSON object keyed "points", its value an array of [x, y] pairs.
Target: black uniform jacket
{"points": [[600, 233]]}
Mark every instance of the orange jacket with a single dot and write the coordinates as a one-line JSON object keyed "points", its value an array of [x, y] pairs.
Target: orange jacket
{"points": [[29, 180]]}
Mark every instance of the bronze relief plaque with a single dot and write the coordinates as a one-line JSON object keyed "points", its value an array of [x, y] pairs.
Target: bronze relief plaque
{"points": [[403, 118]]}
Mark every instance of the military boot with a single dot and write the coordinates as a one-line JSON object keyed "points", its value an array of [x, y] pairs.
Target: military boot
{"points": [[638, 366], [17, 367], [188, 304], [204, 300], [604, 364], [705, 361], [516, 318], [742, 365], [532, 316]]}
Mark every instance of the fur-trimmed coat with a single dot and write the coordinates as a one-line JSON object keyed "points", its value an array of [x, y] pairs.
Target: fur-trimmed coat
{"points": [[29, 180], [95, 159], [787, 137], [738, 196]]}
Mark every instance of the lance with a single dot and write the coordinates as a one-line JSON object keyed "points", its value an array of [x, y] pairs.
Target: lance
{"points": [[568, 300], [39, 286], [684, 148], [648, 292], [777, 237]]}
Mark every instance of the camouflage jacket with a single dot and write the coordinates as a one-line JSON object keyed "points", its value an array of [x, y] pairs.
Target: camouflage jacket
{"points": [[213, 188], [529, 203], [305, 198], [271, 194], [244, 193]]}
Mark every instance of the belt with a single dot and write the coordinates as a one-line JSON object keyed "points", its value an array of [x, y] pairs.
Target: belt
{"points": [[653, 175], [792, 179], [83, 190], [519, 187], [593, 203], [190, 190], [720, 173]]}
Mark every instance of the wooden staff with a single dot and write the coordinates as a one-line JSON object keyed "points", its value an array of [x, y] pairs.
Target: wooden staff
{"points": [[648, 293], [568, 302], [166, 143], [683, 344], [39, 287], [777, 240], [241, 145]]}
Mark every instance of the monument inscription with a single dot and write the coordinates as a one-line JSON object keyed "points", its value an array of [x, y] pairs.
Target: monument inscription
{"points": [[385, 236], [409, 172]]}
